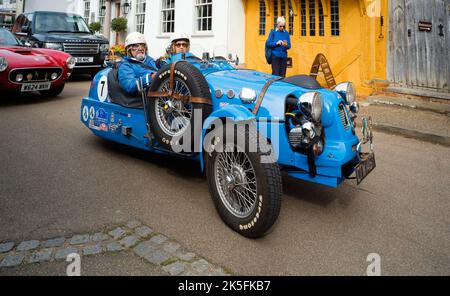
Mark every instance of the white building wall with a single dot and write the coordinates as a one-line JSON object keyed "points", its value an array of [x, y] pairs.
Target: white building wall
{"points": [[227, 35], [228, 24]]}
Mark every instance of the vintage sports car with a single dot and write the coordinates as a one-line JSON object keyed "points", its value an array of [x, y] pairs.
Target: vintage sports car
{"points": [[24, 69], [244, 127]]}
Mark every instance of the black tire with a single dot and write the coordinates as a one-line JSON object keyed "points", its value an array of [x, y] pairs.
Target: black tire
{"points": [[261, 215], [53, 92], [191, 78]]}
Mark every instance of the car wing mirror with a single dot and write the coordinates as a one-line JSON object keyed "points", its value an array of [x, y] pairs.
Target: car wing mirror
{"points": [[25, 43], [26, 30]]}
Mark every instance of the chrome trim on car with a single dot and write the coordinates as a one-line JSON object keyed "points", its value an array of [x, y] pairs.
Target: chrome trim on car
{"points": [[33, 69], [91, 66]]}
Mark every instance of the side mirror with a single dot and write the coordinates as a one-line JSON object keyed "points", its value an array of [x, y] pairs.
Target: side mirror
{"points": [[237, 60], [25, 43], [205, 56], [26, 30]]}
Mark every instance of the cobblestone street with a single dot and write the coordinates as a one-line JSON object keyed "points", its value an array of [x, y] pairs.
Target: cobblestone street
{"points": [[163, 255]]}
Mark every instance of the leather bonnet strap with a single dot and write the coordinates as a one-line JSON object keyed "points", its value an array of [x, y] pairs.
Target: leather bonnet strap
{"points": [[263, 93], [170, 93]]}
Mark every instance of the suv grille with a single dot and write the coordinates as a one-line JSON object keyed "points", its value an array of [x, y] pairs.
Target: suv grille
{"points": [[344, 117], [81, 48]]}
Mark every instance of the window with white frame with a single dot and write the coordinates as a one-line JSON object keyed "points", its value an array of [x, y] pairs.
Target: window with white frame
{"points": [[101, 13], [140, 15], [204, 15], [87, 10], [168, 16]]}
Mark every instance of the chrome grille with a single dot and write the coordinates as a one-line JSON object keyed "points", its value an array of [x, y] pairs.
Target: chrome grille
{"points": [[344, 118], [34, 74], [81, 48]]}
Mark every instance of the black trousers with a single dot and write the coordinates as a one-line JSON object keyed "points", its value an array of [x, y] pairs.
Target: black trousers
{"points": [[279, 66]]}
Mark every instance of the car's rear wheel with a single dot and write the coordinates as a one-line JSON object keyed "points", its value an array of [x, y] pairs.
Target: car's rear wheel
{"points": [[245, 183], [53, 92]]}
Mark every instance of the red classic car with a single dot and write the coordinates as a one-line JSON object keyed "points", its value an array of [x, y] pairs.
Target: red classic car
{"points": [[25, 69]]}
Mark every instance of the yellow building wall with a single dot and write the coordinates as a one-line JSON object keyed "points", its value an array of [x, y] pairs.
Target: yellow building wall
{"points": [[357, 55]]}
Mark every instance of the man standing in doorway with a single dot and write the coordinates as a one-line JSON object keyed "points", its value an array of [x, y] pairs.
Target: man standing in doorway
{"points": [[280, 42]]}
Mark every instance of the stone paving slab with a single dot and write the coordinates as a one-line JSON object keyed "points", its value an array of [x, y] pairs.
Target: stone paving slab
{"points": [[141, 240], [6, 247]]}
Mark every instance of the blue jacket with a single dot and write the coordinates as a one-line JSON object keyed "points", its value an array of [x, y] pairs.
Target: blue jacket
{"points": [[131, 71], [278, 50]]}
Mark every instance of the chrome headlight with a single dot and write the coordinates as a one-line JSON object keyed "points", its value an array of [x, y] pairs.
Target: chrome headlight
{"points": [[354, 107], [311, 105], [71, 62], [55, 46], [247, 95], [309, 130], [3, 64], [104, 47], [347, 91]]}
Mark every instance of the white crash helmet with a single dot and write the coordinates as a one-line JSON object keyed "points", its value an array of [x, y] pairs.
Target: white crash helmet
{"points": [[179, 37], [135, 38], [175, 38]]}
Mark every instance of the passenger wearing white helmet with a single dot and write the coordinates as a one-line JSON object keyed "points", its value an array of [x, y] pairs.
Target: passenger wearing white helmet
{"points": [[137, 67], [177, 50]]}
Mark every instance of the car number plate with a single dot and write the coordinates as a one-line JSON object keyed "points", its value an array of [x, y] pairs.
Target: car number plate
{"points": [[366, 166], [36, 86], [81, 60]]}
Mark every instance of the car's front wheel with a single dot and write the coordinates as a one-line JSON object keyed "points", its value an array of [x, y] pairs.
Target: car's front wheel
{"points": [[245, 183], [53, 92]]}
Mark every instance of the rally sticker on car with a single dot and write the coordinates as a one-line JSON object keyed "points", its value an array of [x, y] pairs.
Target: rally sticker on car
{"points": [[85, 113], [102, 89]]}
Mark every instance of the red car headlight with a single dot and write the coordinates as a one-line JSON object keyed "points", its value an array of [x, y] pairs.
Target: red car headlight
{"points": [[71, 63], [3, 64]]}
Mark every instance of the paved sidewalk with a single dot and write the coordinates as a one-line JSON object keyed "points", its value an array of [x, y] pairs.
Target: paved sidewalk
{"points": [[109, 251], [424, 120]]}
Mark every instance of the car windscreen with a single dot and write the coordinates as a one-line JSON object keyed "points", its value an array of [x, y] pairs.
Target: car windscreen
{"points": [[59, 23], [8, 39]]}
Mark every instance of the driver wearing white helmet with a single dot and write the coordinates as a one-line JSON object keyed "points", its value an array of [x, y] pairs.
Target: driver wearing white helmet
{"points": [[137, 67]]}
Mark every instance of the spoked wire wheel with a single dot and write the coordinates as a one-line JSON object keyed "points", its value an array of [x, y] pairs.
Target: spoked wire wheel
{"points": [[173, 116], [236, 181], [245, 184]]}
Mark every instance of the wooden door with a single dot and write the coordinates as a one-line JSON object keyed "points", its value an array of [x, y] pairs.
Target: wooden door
{"points": [[419, 43]]}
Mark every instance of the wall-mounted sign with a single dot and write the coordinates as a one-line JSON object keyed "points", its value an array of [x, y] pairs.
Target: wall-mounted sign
{"points": [[425, 26], [289, 63]]}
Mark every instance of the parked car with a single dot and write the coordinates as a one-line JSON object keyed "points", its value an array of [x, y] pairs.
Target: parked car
{"points": [[243, 127], [24, 69], [65, 32]]}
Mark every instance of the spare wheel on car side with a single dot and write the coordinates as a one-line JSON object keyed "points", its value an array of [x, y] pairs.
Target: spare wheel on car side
{"points": [[178, 105]]}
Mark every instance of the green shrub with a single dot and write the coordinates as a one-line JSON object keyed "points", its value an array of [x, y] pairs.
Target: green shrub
{"points": [[119, 24], [96, 27]]}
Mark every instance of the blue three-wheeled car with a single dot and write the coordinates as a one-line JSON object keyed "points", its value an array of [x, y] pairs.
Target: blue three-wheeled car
{"points": [[243, 127]]}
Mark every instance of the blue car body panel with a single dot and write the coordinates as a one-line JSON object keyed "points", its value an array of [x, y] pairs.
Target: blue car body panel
{"points": [[110, 121]]}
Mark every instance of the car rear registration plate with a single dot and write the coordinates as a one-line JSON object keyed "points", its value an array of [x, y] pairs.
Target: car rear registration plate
{"points": [[366, 166], [81, 60], [36, 86]]}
